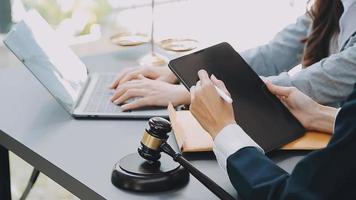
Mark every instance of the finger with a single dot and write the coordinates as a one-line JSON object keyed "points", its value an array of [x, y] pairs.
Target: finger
{"points": [[114, 84], [204, 77], [192, 93], [129, 94], [213, 78], [118, 93], [141, 77], [278, 90], [121, 89], [192, 96], [136, 104], [198, 83], [119, 77], [130, 76], [220, 84]]}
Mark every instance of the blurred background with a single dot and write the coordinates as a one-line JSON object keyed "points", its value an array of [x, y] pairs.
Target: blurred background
{"points": [[88, 25]]}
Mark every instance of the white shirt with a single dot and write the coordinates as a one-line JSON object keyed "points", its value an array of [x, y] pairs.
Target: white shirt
{"points": [[229, 140], [347, 4]]}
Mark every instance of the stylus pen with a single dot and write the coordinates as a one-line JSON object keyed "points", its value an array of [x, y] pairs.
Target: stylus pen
{"points": [[223, 95]]}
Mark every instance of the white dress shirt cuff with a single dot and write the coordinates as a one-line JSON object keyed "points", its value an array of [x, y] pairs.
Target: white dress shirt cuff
{"points": [[337, 112], [229, 140]]}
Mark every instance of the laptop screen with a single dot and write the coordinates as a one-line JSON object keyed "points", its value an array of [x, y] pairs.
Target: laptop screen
{"points": [[45, 54]]}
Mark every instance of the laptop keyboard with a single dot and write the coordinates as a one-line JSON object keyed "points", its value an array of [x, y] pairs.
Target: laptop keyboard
{"points": [[101, 95]]}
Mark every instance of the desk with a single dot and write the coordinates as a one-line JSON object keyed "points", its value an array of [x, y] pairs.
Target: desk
{"points": [[79, 154]]}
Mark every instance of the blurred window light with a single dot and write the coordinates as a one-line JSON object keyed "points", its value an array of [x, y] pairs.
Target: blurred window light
{"points": [[241, 22]]}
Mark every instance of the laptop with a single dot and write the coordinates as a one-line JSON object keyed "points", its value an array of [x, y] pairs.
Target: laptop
{"points": [[64, 75], [257, 110]]}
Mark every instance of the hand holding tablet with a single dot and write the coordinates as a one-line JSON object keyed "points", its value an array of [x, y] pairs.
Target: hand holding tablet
{"points": [[260, 113], [221, 93]]}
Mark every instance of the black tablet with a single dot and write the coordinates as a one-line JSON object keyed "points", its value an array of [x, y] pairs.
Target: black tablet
{"points": [[261, 114]]}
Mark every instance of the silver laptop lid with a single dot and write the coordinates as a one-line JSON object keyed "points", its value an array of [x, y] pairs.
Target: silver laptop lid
{"points": [[47, 56]]}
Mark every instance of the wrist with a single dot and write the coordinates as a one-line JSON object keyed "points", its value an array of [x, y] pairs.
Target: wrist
{"points": [[183, 95], [323, 120], [217, 130]]}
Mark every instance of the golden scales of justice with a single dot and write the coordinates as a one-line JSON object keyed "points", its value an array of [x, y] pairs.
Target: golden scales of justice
{"points": [[153, 58]]}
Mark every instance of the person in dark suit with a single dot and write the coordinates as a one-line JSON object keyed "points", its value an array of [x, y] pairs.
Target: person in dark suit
{"points": [[329, 173]]}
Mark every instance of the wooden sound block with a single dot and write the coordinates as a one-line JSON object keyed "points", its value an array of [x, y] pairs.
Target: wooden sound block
{"points": [[136, 174], [310, 141]]}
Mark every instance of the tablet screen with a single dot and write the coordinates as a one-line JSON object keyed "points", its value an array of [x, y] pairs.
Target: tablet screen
{"points": [[267, 121]]}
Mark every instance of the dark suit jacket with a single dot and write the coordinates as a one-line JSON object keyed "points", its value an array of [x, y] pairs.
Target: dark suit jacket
{"points": [[329, 173]]}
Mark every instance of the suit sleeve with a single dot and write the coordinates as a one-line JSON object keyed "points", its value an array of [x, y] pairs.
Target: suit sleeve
{"points": [[282, 53], [322, 174], [328, 81]]}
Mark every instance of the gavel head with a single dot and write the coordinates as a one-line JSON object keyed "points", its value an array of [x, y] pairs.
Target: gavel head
{"points": [[154, 136]]}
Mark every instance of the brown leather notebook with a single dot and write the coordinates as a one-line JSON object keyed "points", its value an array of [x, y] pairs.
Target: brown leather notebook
{"points": [[191, 137]]}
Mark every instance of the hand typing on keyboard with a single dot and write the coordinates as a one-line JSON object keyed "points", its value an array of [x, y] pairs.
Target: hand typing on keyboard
{"points": [[150, 93]]}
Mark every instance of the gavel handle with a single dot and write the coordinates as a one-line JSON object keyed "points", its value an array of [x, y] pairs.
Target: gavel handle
{"points": [[205, 180]]}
